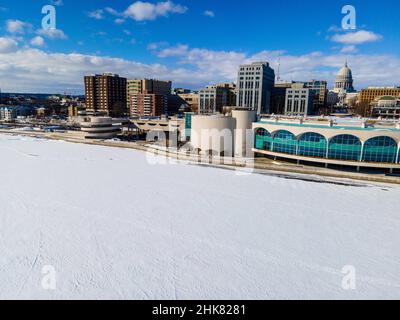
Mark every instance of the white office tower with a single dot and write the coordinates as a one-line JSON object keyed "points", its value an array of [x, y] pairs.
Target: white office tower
{"points": [[255, 84]]}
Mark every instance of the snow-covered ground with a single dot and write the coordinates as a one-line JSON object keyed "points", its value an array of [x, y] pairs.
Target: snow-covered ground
{"points": [[114, 226]]}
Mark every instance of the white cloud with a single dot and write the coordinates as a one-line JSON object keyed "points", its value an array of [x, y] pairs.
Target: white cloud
{"points": [[179, 50], [209, 13], [334, 28], [157, 45], [96, 14], [52, 34], [8, 45], [142, 11], [99, 33], [58, 3], [38, 41], [349, 49], [113, 11], [358, 37], [222, 65], [119, 21], [35, 70], [18, 26]]}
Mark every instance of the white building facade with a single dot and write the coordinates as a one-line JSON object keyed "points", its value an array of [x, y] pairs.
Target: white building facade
{"points": [[299, 101], [255, 84], [7, 114]]}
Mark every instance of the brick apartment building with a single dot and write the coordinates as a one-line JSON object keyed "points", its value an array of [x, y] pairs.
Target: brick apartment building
{"points": [[106, 95]]}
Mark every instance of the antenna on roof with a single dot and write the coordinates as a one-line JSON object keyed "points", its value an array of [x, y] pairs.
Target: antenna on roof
{"points": [[279, 69]]}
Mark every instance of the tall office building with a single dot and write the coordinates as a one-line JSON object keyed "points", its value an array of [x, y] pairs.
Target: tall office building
{"points": [[320, 91], [299, 100], [278, 97], [231, 91], [211, 100], [214, 98], [255, 84], [105, 94]]}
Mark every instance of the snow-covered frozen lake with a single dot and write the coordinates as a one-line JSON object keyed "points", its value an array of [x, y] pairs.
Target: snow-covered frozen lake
{"points": [[114, 226]]}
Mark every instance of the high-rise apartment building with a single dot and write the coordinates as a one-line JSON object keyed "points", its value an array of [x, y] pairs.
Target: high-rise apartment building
{"points": [[134, 86], [146, 97], [255, 84], [153, 86], [106, 94], [148, 105]]}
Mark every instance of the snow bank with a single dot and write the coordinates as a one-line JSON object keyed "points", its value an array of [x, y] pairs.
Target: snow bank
{"points": [[114, 226]]}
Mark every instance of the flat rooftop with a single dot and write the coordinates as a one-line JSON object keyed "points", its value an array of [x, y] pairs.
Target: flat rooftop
{"points": [[335, 123]]}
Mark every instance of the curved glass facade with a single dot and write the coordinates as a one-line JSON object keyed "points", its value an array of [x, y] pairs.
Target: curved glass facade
{"points": [[284, 142], [312, 144], [380, 149], [263, 139], [342, 147], [345, 147]]}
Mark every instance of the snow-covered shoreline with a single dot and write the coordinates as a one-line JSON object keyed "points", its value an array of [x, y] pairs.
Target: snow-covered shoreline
{"points": [[114, 226]]}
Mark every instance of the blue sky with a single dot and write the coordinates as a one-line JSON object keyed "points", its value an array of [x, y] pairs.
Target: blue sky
{"points": [[194, 42]]}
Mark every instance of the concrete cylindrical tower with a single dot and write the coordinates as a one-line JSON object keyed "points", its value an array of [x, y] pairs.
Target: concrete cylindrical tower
{"points": [[213, 134], [243, 141]]}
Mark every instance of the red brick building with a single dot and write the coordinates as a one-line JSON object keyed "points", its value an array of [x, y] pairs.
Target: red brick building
{"points": [[148, 105]]}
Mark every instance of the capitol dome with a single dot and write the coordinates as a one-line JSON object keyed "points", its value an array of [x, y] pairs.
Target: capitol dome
{"points": [[345, 73], [344, 80]]}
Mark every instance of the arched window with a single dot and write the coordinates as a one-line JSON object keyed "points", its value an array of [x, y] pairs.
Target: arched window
{"points": [[263, 139], [345, 147], [380, 149], [284, 142], [312, 144]]}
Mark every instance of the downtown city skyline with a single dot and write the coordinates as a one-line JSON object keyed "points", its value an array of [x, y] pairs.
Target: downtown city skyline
{"points": [[193, 43]]}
